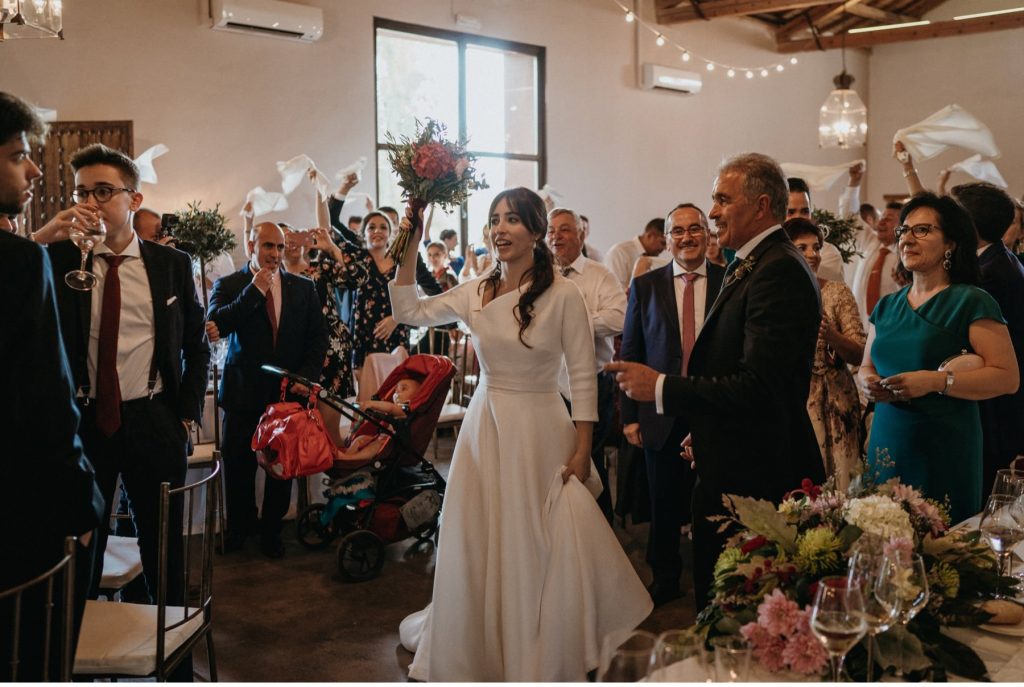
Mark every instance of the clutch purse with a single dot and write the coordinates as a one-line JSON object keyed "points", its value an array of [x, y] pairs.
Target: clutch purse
{"points": [[962, 362]]}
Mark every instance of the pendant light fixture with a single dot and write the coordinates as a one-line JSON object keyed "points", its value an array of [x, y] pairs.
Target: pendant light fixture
{"points": [[843, 118]]}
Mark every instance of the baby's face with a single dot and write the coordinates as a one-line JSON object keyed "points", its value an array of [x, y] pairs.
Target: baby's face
{"points": [[405, 390]]}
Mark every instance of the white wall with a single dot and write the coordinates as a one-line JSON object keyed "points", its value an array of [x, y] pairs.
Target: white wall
{"points": [[228, 106]]}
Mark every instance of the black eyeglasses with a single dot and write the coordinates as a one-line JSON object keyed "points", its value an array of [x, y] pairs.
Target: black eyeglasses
{"points": [[692, 230], [918, 230], [101, 193]]}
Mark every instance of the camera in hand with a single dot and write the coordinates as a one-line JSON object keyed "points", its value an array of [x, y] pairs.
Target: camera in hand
{"points": [[168, 223]]}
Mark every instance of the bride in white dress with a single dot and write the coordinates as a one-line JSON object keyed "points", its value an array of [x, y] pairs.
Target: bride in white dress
{"points": [[529, 575]]}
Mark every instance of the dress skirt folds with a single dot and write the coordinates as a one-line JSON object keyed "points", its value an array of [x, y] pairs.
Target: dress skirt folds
{"points": [[529, 576]]}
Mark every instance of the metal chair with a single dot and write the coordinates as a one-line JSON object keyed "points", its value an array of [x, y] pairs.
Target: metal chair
{"points": [[135, 640], [14, 599], [207, 455], [453, 413]]}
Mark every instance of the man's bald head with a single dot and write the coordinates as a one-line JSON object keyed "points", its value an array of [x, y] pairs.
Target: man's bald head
{"points": [[266, 246]]}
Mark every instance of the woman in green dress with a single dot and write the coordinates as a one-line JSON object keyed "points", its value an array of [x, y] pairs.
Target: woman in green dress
{"points": [[927, 430]]}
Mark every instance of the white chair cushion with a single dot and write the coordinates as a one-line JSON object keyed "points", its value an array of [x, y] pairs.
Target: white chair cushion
{"points": [[202, 453], [122, 562], [120, 638], [451, 412]]}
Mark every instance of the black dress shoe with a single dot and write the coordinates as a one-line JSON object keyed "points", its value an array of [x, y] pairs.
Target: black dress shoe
{"points": [[272, 547], [663, 592]]}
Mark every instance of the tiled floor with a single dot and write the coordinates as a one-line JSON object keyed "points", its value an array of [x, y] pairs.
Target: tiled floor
{"points": [[296, 620]]}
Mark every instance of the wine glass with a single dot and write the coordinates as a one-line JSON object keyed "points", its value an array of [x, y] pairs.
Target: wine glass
{"points": [[626, 656], [878, 590], [732, 659], [1001, 528], [86, 238], [837, 619], [910, 579], [673, 649], [1009, 481]]}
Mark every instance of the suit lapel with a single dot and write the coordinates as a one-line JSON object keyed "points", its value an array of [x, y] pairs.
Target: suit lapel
{"points": [[159, 289], [667, 300], [729, 289], [287, 303], [714, 287], [84, 301]]}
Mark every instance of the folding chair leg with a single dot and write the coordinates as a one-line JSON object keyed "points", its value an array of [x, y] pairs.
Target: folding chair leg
{"points": [[211, 657], [222, 519]]}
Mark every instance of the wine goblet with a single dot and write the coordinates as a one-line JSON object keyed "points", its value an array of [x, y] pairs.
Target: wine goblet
{"points": [[86, 238], [837, 619], [627, 656], [908, 575], [878, 590], [1001, 527]]}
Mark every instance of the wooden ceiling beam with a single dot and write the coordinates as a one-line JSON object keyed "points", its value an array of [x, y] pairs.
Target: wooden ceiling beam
{"points": [[668, 4], [713, 9], [882, 16], [817, 16], [939, 29]]}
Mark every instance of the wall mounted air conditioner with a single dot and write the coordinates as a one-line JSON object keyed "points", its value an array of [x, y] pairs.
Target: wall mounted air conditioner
{"points": [[268, 18], [657, 76]]}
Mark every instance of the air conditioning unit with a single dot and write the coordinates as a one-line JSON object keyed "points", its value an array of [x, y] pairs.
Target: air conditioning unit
{"points": [[268, 18], [657, 76]]}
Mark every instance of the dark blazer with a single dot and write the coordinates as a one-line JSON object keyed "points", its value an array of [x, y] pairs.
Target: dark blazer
{"points": [[239, 310], [51, 490], [181, 349], [1002, 418], [750, 371], [651, 336]]}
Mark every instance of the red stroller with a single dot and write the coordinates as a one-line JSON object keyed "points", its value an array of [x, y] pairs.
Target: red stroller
{"points": [[391, 495]]}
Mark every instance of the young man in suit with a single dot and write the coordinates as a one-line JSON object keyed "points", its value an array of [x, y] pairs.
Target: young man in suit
{"points": [[745, 390], [665, 313], [1002, 275], [270, 317], [52, 489], [138, 353]]}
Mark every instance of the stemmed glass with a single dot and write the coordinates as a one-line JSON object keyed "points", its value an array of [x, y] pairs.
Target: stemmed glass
{"points": [[673, 649], [1001, 528], [878, 590], [908, 575], [837, 619], [627, 656], [86, 238]]}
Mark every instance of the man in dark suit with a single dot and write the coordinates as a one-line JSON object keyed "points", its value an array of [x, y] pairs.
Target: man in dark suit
{"points": [[138, 353], [270, 317], [52, 490], [745, 392], [665, 313], [1002, 276]]}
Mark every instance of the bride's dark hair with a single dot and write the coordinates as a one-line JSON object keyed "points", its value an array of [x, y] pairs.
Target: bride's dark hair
{"points": [[532, 213]]}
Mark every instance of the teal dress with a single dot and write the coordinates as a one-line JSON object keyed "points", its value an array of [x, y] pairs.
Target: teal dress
{"points": [[934, 442]]}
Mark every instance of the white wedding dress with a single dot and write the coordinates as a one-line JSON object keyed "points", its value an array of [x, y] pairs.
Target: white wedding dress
{"points": [[529, 575]]}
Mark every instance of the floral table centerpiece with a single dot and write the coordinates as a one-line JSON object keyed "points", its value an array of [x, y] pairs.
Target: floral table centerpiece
{"points": [[431, 171], [766, 577]]}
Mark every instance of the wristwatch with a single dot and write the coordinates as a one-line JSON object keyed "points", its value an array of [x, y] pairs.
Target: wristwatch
{"points": [[949, 383]]}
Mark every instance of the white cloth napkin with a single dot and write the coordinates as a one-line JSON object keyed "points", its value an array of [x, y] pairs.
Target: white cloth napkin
{"points": [[357, 204], [819, 178], [147, 172], [356, 168], [952, 126], [294, 171], [981, 169], [265, 201], [547, 192]]}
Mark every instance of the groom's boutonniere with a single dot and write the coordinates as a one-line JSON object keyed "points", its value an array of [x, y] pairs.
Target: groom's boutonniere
{"points": [[745, 267]]}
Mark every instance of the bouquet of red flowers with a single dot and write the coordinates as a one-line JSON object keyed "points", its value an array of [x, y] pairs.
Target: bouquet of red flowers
{"points": [[431, 170]]}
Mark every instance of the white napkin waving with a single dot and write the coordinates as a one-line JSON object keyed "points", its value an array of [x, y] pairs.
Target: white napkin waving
{"points": [[357, 204], [147, 172], [981, 169], [547, 192], [819, 178], [294, 171], [951, 126], [265, 201], [356, 168]]}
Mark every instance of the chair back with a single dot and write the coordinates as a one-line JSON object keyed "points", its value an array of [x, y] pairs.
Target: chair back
{"points": [[466, 371], [38, 594], [196, 562]]}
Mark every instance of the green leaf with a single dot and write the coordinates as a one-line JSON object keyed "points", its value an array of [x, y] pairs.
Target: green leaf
{"points": [[889, 650], [761, 517]]}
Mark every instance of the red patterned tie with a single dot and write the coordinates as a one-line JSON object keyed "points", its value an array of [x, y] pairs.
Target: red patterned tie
{"points": [[272, 314], [108, 386], [689, 317]]}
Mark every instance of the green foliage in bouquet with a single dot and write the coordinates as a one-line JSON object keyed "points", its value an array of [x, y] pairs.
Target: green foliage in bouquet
{"points": [[204, 234], [779, 553], [841, 232]]}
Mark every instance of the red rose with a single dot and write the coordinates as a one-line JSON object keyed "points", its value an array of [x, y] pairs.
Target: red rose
{"points": [[754, 544], [432, 161]]}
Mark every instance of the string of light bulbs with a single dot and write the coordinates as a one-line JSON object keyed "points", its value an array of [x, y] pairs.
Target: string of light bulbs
{"points": [[731, 70]]}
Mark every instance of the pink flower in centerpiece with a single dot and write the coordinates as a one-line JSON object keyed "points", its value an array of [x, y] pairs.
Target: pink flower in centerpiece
{"points": [[803, 652], [432, 161], [900, 544], [778, 614], [767, 648]]}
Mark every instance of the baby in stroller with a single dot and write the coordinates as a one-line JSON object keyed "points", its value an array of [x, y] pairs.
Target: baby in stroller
{"points": [[360, 447]]}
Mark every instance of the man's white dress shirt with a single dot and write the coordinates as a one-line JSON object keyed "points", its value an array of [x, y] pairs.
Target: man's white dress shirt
{"points": [[622, 256]]}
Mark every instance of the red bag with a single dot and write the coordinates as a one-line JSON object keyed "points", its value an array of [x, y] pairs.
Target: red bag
{"points": [[290, 439]]}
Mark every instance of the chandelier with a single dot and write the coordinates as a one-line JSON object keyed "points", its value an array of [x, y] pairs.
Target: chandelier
{"points": [[31, 19], [843, 118]]}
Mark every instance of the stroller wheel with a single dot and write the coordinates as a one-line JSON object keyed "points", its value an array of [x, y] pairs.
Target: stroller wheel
{"points": [[360, 556], [313, 535]]}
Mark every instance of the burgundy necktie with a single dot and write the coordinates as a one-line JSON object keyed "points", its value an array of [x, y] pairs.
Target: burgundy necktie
{"points": [[689, 317], [272, 314], [108, 386]]}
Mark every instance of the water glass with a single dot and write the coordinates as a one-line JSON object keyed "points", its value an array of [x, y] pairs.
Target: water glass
{"points": [[732, 659], [679, 656], [837, 619], [1001, 527], [626, 656]]}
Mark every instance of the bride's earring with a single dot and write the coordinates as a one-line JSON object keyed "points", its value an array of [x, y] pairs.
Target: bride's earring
{"points": [[947, 263]]}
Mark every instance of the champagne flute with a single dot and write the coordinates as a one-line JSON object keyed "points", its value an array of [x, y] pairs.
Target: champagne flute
{"points": [[626, 656], [86, 238], [878, 590], [1001, 529], [837, 619], [910, 579]]}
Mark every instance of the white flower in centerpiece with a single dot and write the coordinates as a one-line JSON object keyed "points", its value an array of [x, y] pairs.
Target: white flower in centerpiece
{"points": [[879, 515]]}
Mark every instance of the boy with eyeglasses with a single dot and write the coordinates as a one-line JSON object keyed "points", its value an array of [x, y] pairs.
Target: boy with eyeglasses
{"points": [[137, 350]]}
